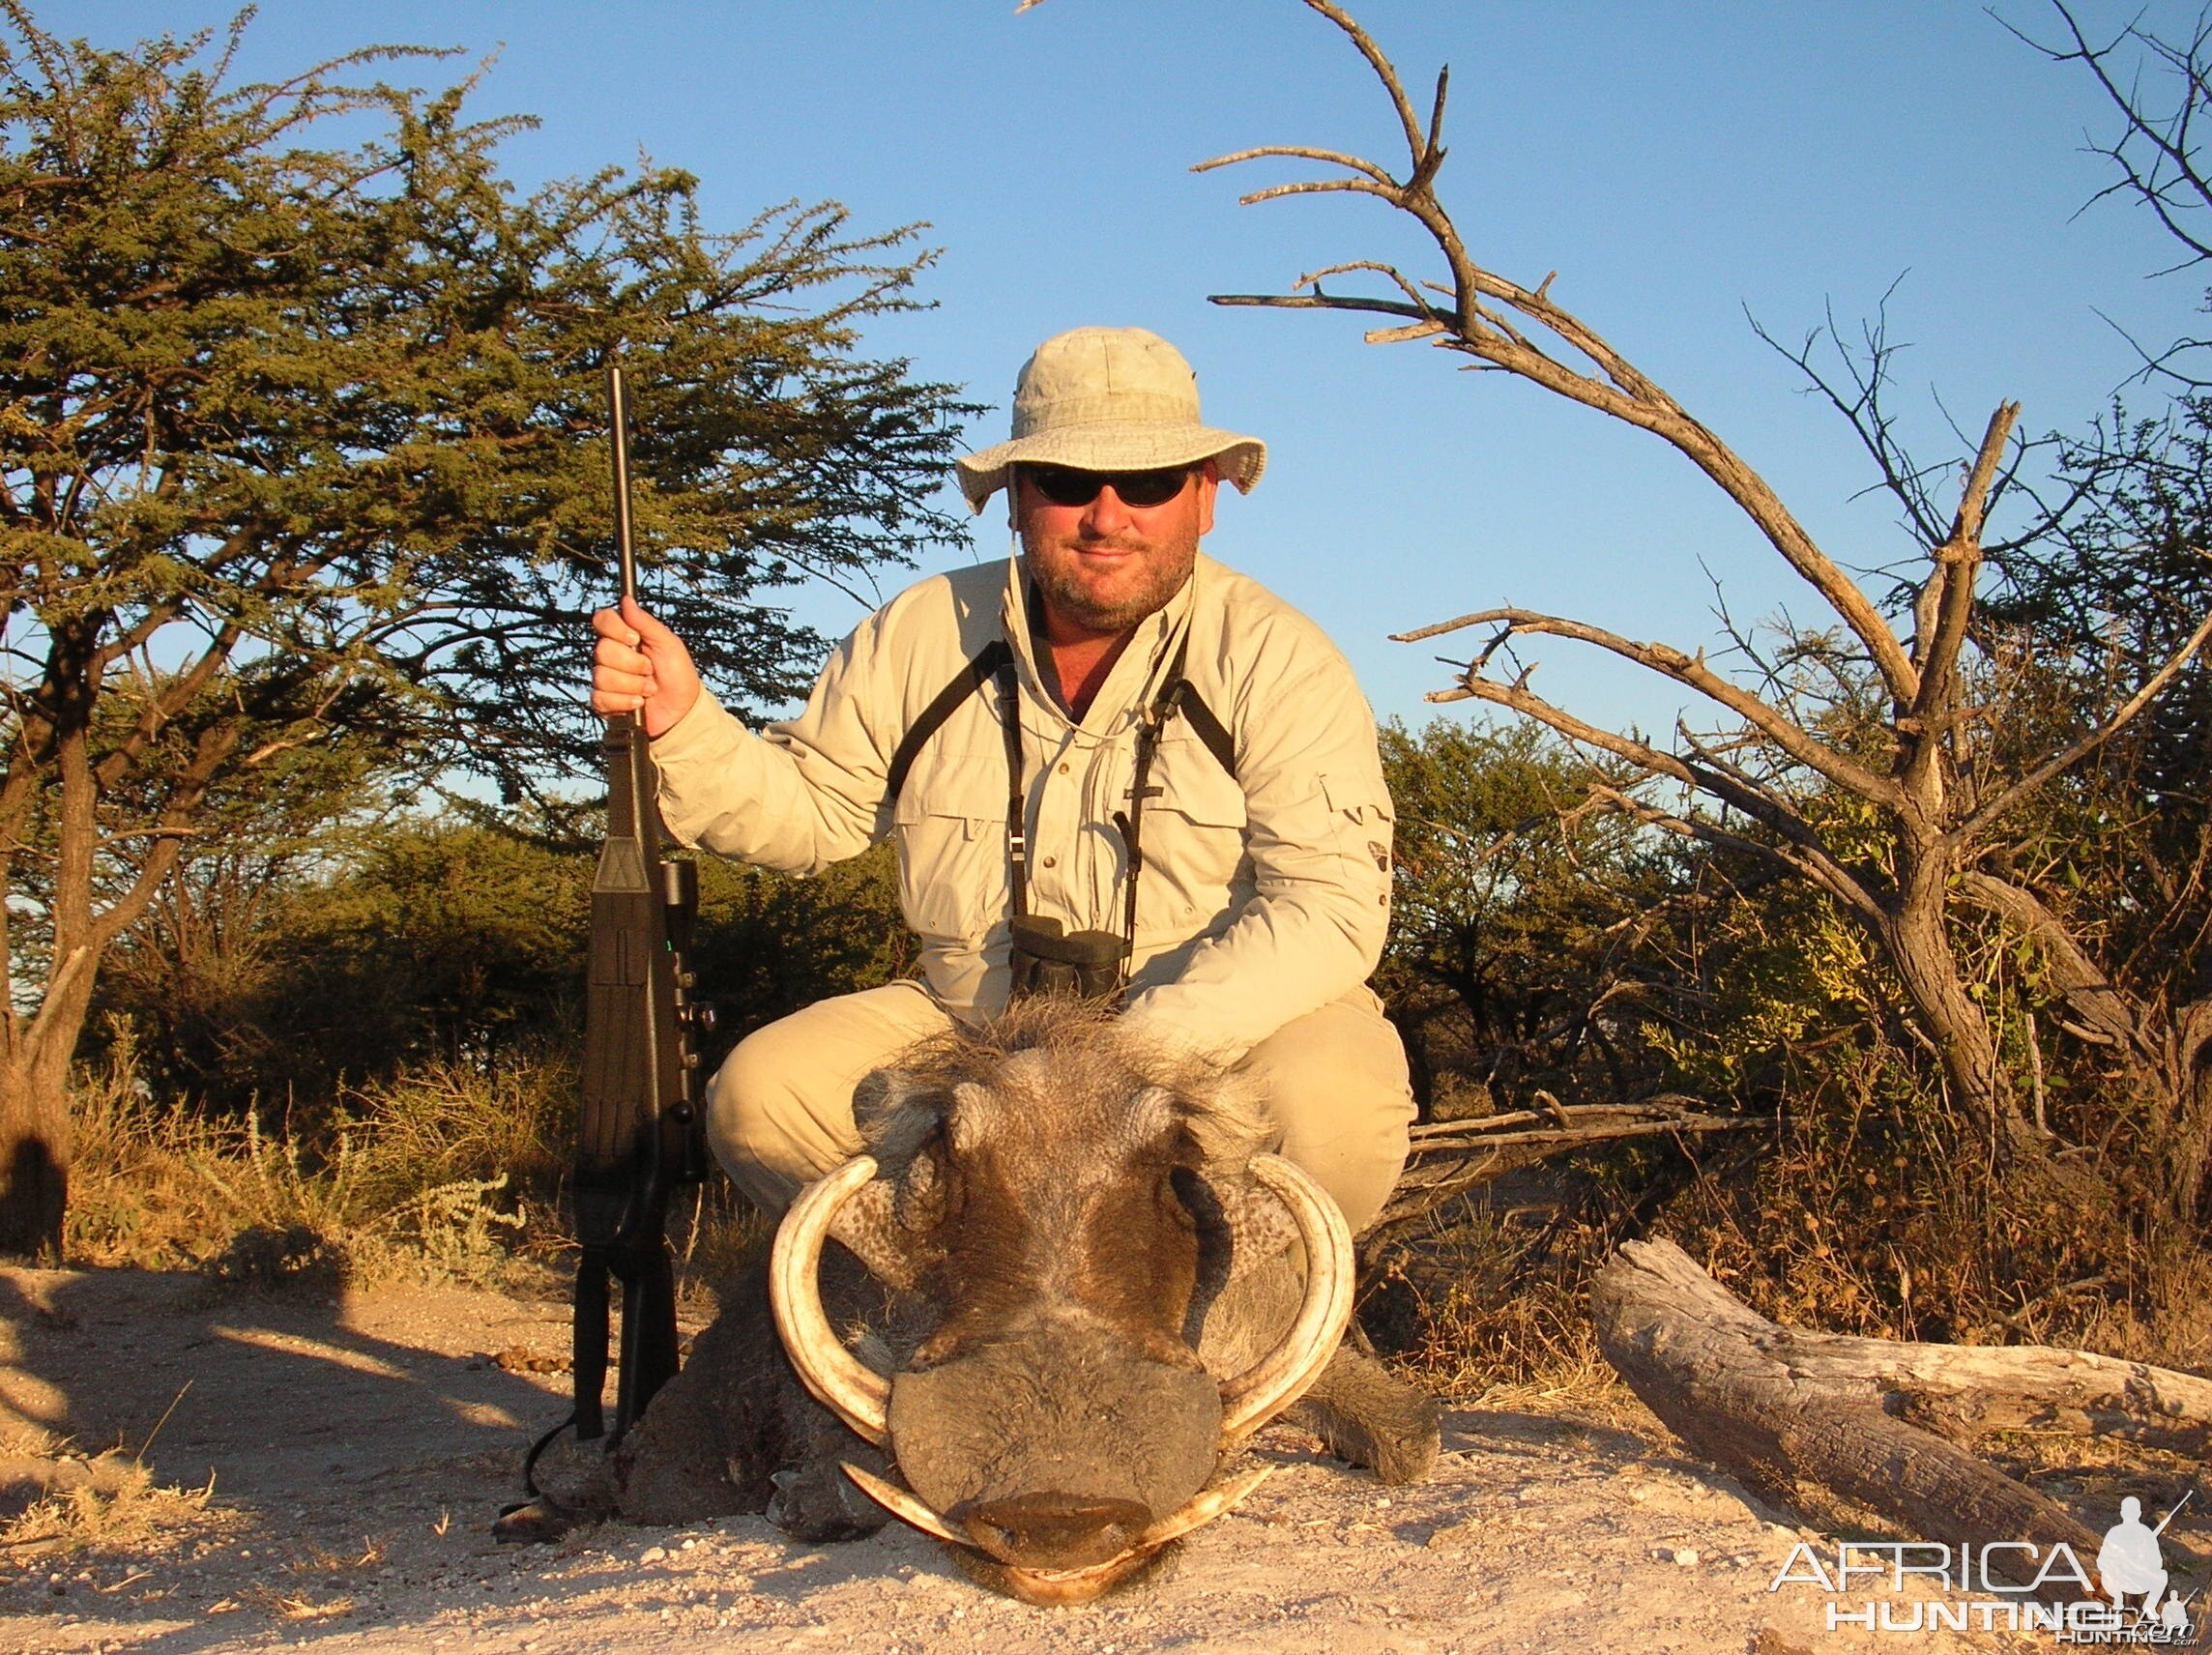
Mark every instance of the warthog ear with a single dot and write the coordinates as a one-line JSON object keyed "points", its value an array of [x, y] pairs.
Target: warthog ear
{"points": [[879, 1101], [885, 1222], [897, 1117], [1157, 1116], [970, 1117]]}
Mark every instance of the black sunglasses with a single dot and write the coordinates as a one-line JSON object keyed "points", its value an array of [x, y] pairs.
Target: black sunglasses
{"points": [[1064, 485]]}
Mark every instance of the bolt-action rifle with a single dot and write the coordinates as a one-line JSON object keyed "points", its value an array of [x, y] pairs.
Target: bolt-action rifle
{"points": [[641, 1128]]}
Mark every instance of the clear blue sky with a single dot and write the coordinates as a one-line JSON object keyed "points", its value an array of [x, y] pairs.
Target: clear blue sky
{"points": [[1675, 164]]}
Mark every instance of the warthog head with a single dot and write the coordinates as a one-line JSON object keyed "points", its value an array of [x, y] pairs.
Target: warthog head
{"points": [[1115, 1286]]}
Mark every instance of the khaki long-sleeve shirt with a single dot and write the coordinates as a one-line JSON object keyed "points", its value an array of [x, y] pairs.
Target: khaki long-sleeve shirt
{"points": [[1262, 896]]}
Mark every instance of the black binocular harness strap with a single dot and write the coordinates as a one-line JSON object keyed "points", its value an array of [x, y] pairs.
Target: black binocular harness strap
{"points": [[996, 660]]}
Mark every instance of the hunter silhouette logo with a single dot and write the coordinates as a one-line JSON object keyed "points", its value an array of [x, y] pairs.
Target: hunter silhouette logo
{"points": [[2004, 1585], [2129, 1564]]}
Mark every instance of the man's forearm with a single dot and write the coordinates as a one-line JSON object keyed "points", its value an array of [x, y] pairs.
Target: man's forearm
{"points": [[770, 800], [1289, 952]]}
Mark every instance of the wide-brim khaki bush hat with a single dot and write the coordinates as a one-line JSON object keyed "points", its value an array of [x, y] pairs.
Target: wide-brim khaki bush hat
{"points": [[1109, 399]]}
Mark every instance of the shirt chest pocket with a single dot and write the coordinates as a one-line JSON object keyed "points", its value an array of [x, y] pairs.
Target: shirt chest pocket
{"points": [[1194, 840], [950, 824]]}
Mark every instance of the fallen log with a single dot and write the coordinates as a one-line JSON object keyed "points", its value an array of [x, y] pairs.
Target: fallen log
{"points": [[1806, 1417]]}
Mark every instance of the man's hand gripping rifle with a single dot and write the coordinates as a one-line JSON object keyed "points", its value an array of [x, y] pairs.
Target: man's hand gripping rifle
{"points": [[642, 1128]]}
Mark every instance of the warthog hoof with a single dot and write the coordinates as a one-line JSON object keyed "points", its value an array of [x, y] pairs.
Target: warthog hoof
{"points": [[815, 1500]]}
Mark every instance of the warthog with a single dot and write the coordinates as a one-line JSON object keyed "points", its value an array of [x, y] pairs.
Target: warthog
{"points": [[1069, 1284]]}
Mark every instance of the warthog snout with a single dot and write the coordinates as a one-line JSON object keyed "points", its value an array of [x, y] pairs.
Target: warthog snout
{"points": [[1055, 1530], [1068, 1415]]}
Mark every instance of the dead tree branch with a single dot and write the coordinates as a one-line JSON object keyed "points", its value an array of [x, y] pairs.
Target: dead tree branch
{"points": [[1476, 325], [1448, 1157], [1691, 672]]}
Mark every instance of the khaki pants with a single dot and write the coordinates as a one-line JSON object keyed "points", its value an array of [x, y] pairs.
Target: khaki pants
{"points": [[779, 1111]]}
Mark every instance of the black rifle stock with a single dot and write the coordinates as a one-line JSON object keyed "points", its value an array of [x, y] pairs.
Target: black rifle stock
{"points": [[640, 1124]]}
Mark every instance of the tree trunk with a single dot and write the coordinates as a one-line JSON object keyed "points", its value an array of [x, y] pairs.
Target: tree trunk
{"points": [[1810, 1416], [36, 1145], [35, 1155], [2159, 1054], [1917, 938], [2189, 1138]]}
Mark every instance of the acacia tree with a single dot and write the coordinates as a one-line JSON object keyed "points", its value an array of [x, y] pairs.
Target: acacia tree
{"points": [[1929, 788], [182, 983], [299, 440]]}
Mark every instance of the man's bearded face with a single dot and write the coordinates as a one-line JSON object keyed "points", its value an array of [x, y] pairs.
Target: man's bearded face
{"points": [[1105, 565]]}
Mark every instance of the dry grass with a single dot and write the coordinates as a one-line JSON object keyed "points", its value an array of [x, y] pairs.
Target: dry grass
{"points": [[316, 1573], [716, 1233], [1869, 1212], [99, 1503], [415, 1179], [1485, 1307], [1861, 1213], [285, 1604], [444, 1173]]}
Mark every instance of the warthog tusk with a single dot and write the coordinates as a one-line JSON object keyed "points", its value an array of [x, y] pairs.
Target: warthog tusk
{"points": [[1281, 1377], [906, 1507], [1199, 1510], [840, 1382]]}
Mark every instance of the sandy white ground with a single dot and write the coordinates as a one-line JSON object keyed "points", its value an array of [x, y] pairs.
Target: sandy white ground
{"points": [[363, 1447]]}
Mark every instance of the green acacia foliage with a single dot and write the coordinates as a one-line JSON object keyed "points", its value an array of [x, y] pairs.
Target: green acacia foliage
{"points": [[350, 401], [432, 941], [327, 423], [769, 943], [1518, 909]]}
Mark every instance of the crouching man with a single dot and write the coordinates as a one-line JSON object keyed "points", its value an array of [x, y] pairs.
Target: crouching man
{"points": [[1109, 762]]}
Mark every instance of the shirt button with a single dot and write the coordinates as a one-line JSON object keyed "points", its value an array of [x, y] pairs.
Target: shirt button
{"points": [[1050, 861], [1063, 766]]}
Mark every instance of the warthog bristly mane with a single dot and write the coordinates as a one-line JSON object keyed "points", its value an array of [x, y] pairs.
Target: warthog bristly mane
{"points": [[1089, 1053]]}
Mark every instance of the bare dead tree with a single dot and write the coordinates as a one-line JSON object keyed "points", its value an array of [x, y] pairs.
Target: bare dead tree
{"points": [[1926, 771], [2155, 154]]}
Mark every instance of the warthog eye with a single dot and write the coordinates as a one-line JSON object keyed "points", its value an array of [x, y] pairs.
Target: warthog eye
{"points": [[1172, 1201]]}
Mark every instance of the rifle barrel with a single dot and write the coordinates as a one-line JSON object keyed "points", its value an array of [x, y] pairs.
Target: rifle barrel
{"points": [[2174, 1513], [617, 410]]}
